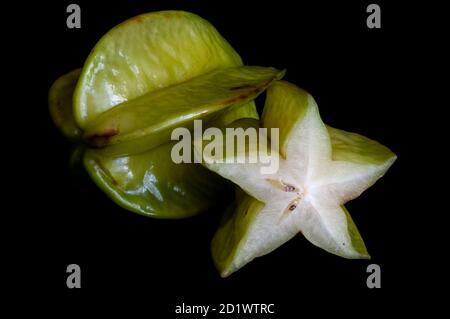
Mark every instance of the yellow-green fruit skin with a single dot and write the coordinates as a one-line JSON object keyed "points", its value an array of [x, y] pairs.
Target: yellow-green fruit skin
{"points": [[146, 53]]}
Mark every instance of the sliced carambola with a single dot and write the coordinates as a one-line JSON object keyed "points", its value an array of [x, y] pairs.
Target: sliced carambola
{"points": [[148, 121], [320, 169]]}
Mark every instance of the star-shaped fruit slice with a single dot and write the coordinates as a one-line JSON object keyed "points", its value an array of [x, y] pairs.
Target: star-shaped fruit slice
{"points": [[320, 169]]}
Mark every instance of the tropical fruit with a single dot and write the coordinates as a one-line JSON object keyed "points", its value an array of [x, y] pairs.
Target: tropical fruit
{"points": [[146, 76], [320, 169]]}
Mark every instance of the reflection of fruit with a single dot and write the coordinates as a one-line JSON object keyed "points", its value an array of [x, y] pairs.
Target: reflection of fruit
{"points": [[320, 169], [124, 82]]}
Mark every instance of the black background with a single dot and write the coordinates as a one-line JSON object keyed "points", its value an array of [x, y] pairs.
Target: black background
{"points": [[354, 73]]}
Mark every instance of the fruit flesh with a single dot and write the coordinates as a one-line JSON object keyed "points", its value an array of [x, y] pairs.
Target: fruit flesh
{"points": [[307, 193]]}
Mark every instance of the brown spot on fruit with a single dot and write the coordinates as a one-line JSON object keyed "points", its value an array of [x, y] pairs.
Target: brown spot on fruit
{"points": [[102, 138], [289, 188], [107, 173], [236, 99]]}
